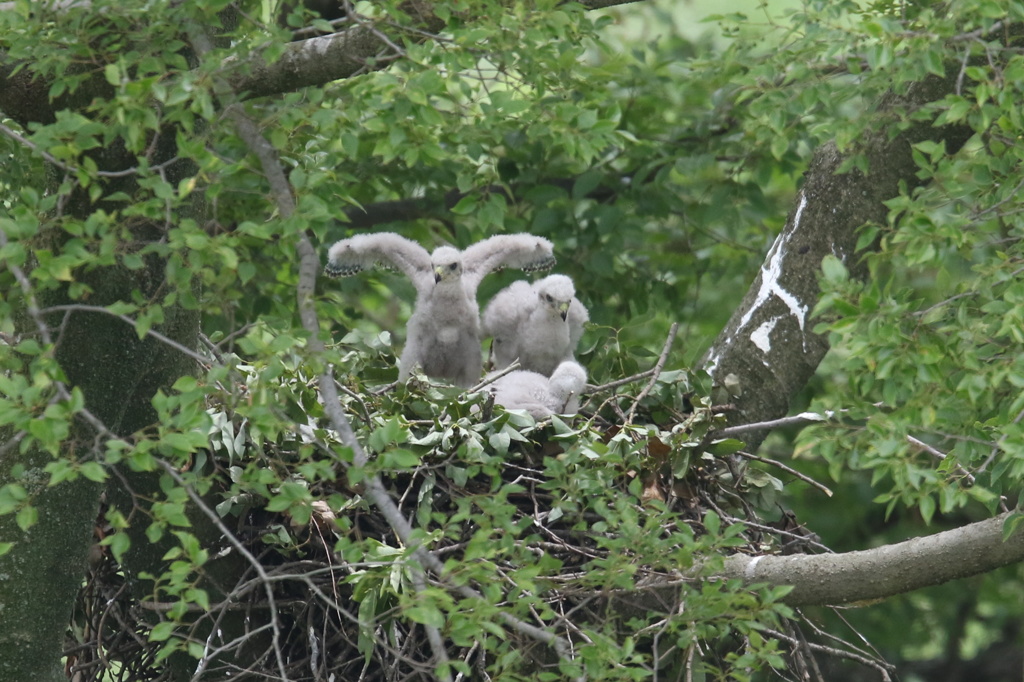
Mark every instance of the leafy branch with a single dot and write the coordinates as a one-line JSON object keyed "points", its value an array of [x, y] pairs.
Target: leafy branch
{"points": [[376, 493]]}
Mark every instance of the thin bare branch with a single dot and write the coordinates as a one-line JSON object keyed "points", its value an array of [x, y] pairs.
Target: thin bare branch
{"points": [[656, 372], [491, 378], [795, 420], [70, 168], [883, 668], [229, 536], [281, 191], [82, 307], [309, 265], [939, 455], [789, 470], [619, 382]]}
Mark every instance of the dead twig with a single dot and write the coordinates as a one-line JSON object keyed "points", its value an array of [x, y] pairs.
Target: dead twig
{"points": [[656, 372]]}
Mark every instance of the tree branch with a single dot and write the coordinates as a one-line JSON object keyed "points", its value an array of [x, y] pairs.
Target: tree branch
{"points": [[835, 579], [883, 571], [309, 263], [398, 210], [304, 63], [323, 59]]}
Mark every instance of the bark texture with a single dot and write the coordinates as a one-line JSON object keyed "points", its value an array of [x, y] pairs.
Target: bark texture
{"points": [[315, 61], [324, 59], [40, 577], [837, 579], [118, 374]]}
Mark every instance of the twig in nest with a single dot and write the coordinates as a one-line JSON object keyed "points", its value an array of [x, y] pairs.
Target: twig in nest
{"points": [[484, 382], [355, 396], [789, 470], [838, 613], [656, 372], [244, 552], [491, 378], [380, 390], [619, 382]]}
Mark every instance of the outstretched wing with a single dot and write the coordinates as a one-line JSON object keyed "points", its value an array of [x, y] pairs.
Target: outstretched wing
{"points": [[522, 251], [355, 254]]}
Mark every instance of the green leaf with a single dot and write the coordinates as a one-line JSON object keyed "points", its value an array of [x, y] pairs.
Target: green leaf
{"points": [[11, 496], [112, 73], [425, 615], [398, 459], [926, 505], [393, 432], [726, 446], [27, 517], [119, 544], [162, 631], [94, 471], [585, 184], [833, 270], [1012, 525], [712, 522]]}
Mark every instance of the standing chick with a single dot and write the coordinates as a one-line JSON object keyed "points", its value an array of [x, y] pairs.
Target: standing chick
{"points": [[539, 323]]}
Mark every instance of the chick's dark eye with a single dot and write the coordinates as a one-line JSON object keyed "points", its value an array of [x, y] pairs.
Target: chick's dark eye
{"points": [[452, 266]]}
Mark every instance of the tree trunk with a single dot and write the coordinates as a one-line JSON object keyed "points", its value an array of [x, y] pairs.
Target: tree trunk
{"points": [[118, 374], [768, 350], [41, 575]]}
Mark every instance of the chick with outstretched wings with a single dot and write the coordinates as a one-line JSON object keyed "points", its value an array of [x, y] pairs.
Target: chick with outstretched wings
{"points": [[443, 333]]}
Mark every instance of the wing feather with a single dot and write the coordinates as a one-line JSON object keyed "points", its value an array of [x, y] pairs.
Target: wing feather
{"points": [[361, 252], [523, 251]]}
